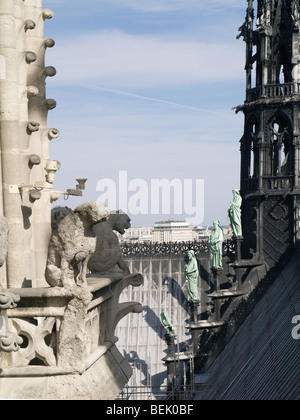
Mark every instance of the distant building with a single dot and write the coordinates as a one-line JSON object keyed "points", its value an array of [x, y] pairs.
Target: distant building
{"points": [[169, 231], [137, 234], [173, 231]]}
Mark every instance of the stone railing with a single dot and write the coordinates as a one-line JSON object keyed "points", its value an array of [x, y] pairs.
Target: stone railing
{"points": [[250, 184], [272, 91], [272, 183], [283, 89], [169, 248], [68, 334], [269, 183]]}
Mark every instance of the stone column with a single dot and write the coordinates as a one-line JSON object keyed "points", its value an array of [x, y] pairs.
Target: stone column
{"points": [[23, 135], [14, 139]]}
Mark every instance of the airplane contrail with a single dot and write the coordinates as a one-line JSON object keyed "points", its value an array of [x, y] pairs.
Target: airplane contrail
{"points": [[147, 98]]}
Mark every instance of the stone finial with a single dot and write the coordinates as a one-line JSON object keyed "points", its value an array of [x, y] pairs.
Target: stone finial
{"points": [[49, 43], [29, 25], [30, 57], [32, 127], [32, 91], [51, 103], [53, 133], [47, 14], [50, 71], [34, 160], [10, 342]]}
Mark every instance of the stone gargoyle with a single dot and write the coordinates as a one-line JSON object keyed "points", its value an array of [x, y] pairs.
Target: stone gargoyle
{"points": [[72, 245], [108, 261], [108, 256]]}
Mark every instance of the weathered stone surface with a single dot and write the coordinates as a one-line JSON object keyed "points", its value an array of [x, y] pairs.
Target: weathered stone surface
{"points": [[101, 381], [73, 336], [73, 243], [108, 255], [57, 215], [10, 342], [4, 229]]}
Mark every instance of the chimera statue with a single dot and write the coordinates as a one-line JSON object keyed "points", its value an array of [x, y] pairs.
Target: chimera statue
{"points": [[72, 244], [108, 256]]}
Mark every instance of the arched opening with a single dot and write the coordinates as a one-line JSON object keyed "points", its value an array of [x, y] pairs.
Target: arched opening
{"points": [[280, 146], [253, 149]]}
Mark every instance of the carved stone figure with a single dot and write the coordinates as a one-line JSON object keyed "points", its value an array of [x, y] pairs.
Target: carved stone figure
{"points": [[165, 319], [8, 300], [295, 13], [108, 257], [74, 242], [57, 215], [235, 213], [191, 273], [10, 342], [215, 245]]}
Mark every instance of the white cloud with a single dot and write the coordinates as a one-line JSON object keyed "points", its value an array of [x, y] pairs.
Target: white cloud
{"points": [[117, 59]]}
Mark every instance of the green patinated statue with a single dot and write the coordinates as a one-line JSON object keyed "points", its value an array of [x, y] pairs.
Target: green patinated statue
{"points": [[215, 245], [165, 319], [234, 214], [191, 273]]}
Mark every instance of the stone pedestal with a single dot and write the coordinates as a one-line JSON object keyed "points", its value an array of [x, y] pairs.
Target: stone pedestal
{"points": [[170, 361], [238, 272], [216, 274], [194, 305]]}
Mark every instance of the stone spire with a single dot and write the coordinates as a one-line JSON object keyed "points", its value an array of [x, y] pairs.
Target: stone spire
{"points": [[270, 146]]}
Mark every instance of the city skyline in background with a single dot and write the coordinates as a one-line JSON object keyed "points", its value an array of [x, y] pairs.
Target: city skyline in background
{"points": [[148, 87]]}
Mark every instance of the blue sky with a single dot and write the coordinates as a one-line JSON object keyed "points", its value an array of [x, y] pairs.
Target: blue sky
{"points": [[147, 87]]}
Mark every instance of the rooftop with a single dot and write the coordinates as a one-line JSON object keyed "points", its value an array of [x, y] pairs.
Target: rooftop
{"points": [[261, 362]]}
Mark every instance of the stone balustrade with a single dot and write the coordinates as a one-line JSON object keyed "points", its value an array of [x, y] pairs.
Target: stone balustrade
{"points": [[68, 336]]}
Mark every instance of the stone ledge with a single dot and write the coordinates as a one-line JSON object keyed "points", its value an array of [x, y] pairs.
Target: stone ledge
{"points": [[111, 367]]}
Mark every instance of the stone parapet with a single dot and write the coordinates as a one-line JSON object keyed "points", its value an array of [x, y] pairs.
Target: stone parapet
{"points": [[67, 335]]}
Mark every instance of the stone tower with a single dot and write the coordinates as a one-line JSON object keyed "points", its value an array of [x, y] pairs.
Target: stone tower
{"points": [[270, 144], [25, 184]]}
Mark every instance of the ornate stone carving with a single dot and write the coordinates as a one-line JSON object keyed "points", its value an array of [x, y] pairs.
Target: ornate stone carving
{"points": [[37, 349], [73, 243], [8, 300], [10, 342]]}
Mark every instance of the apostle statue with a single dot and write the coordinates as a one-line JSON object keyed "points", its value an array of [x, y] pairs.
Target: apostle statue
{"points": [[191, 273], [215, 245], [165, 319], [234, 214]]}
